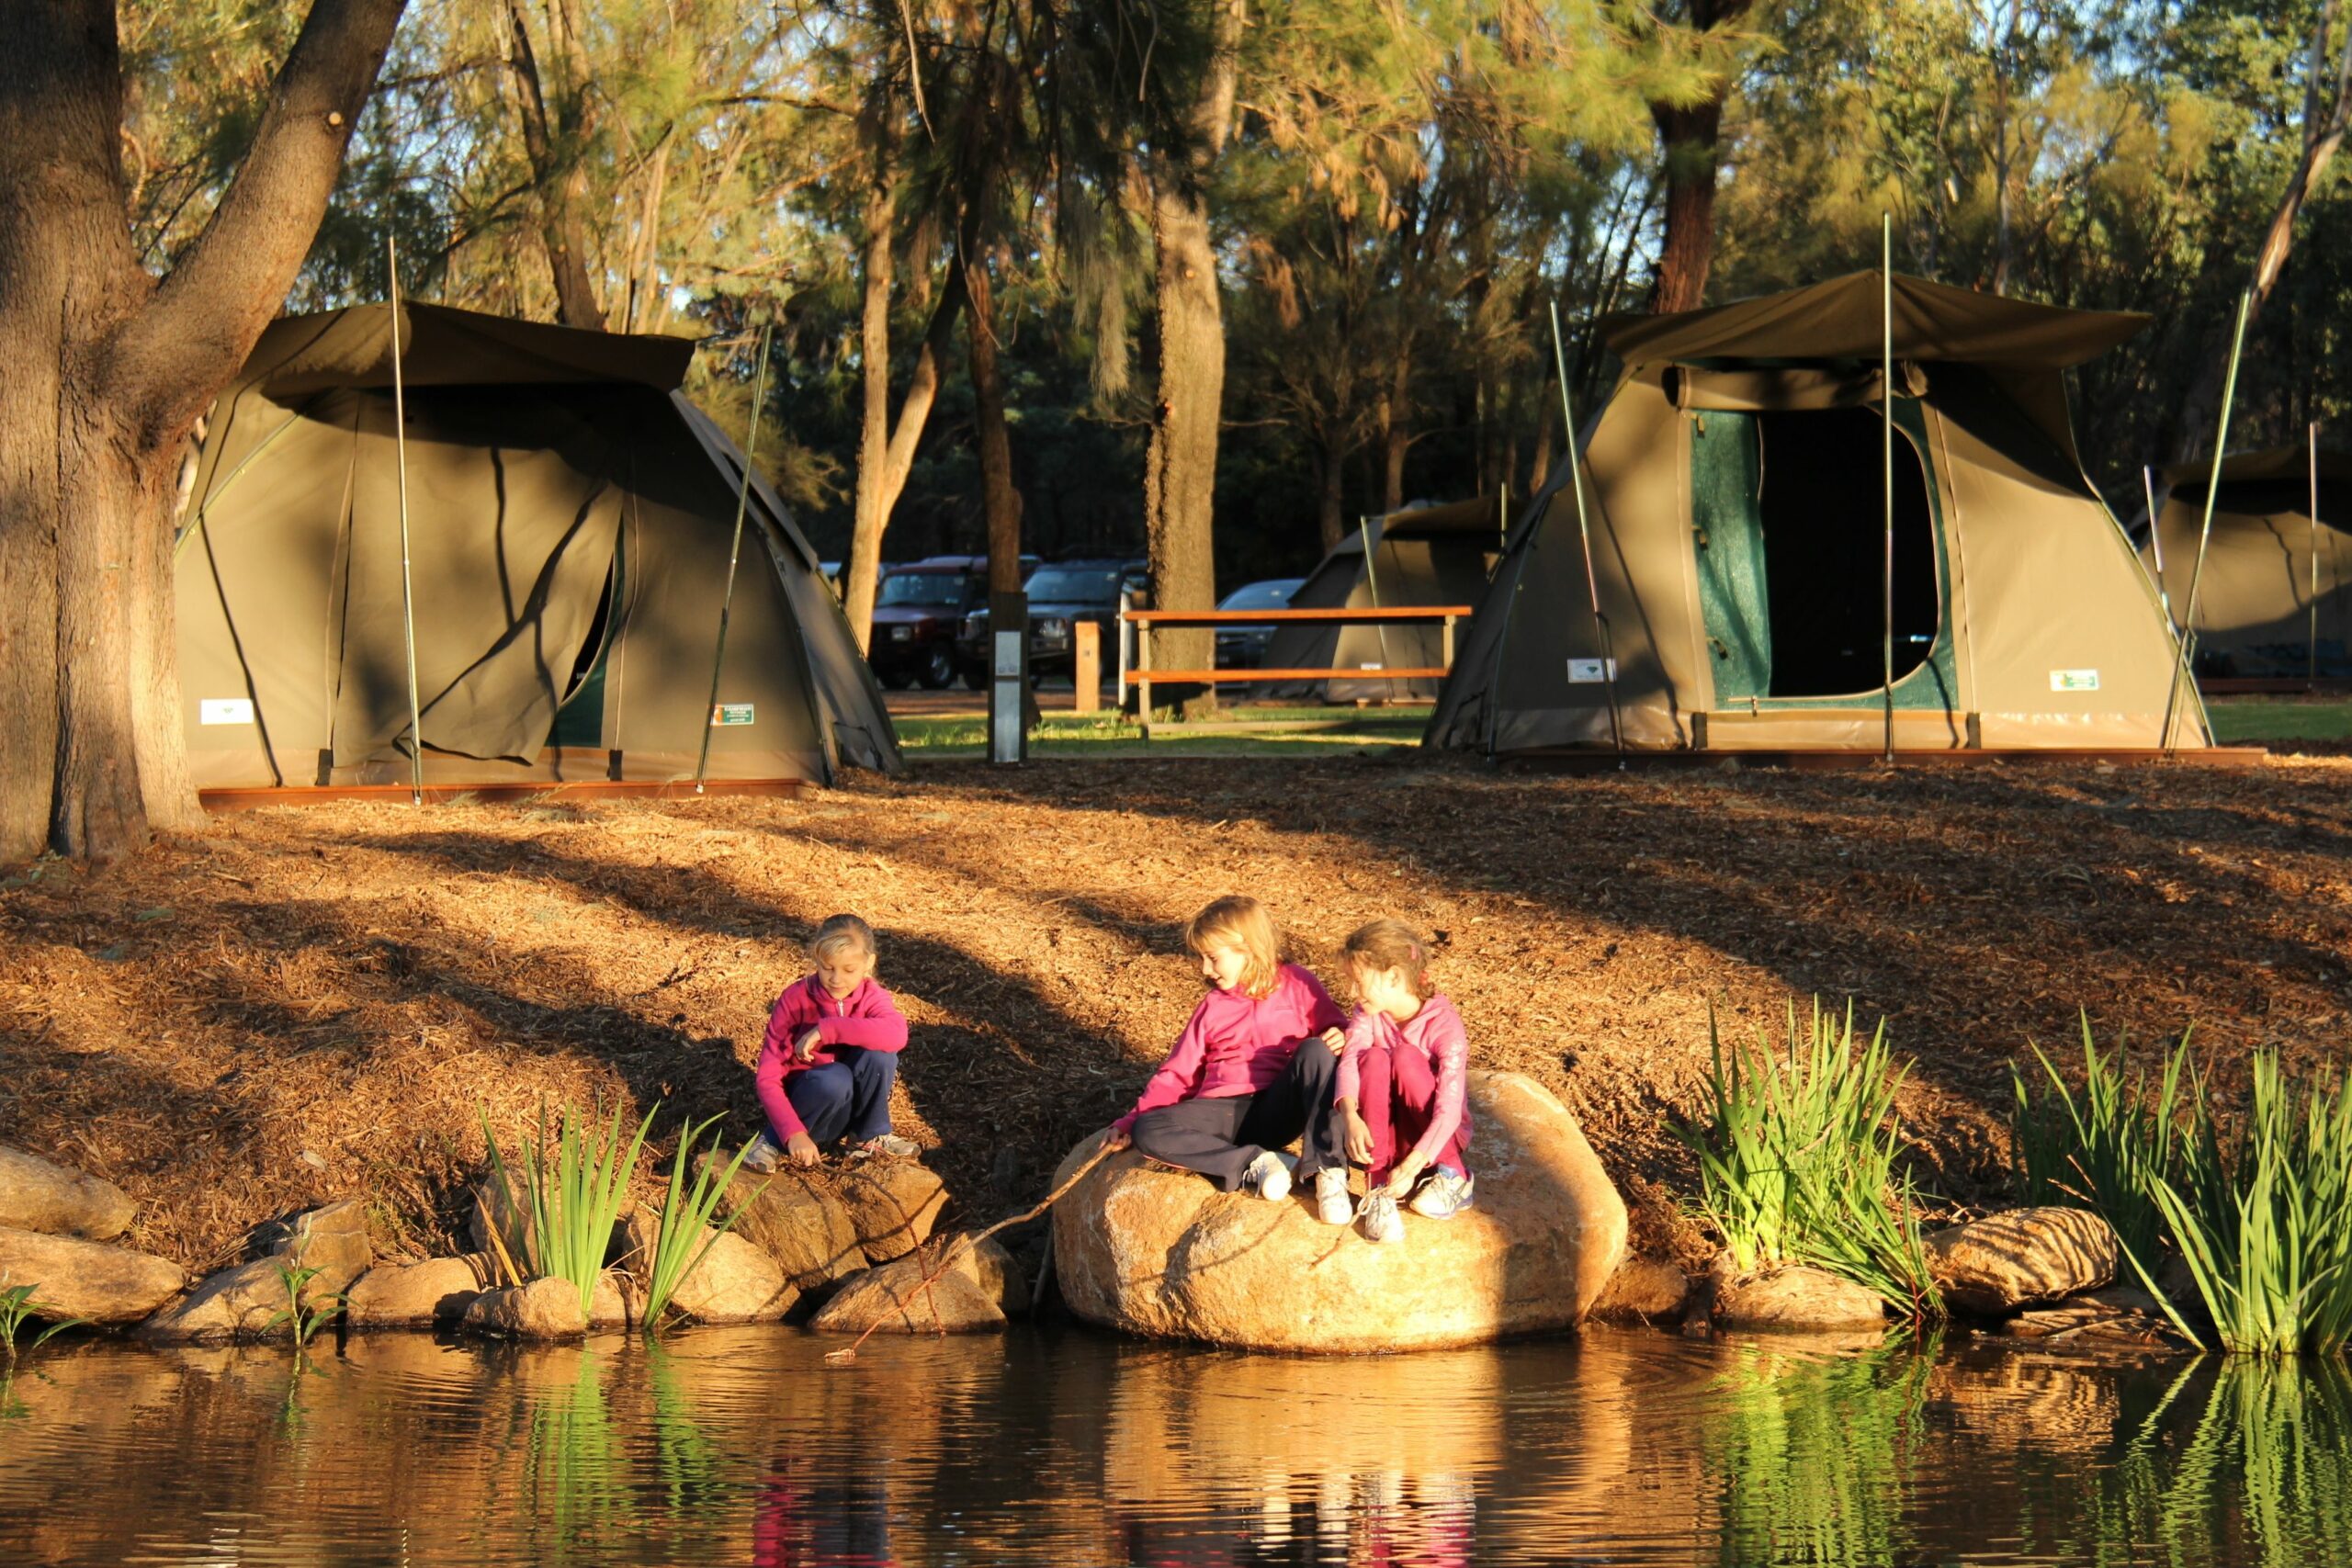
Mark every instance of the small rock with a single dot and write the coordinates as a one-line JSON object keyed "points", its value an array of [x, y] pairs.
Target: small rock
{"points": [[1643, 1290], [408, 1296], [734, 1282], [544, 1309], [973, 1295], [617, 1303], [2005, 1262], [892, 1203], [795, 1220], [243, 1302], [37, 1195], [88, 1280], [1796, 1297]]}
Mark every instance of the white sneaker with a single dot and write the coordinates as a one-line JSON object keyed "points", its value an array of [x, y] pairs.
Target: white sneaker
{"points": [[1332, 1204], [1445, 1192], [763, 1155], [1268, 1176], [1381, 1220]]}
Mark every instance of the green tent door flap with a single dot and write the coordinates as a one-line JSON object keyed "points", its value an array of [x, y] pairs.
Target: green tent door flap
{"points": [[1789, 555]]}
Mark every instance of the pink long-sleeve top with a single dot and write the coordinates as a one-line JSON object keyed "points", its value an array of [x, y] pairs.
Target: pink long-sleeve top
{"points": [[867, 1018], [1437, 1034], [1238, 1043]]}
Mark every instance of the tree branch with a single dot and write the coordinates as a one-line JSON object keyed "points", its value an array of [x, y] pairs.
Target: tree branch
{"points": [[203, 319]]}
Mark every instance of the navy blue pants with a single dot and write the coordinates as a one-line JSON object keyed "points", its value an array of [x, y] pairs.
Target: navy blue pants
{"points": [[1220, 1138], [850, 1095]]}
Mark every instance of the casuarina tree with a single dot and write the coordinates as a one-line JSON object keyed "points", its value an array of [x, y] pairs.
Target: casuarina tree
{"points": [[105, 368]]}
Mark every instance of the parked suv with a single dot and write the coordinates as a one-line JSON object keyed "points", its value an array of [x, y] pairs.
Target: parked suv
{"points": [[917, 613], [1061, 594]]}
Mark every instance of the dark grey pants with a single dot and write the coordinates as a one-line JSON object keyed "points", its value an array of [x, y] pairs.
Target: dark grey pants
{"points": [[1220, 1138]]}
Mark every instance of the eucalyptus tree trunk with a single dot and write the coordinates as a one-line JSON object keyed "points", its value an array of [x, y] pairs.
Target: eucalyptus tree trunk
{"points": [[1689, 133], [1179, 466], [106, 369], [553, 142]]}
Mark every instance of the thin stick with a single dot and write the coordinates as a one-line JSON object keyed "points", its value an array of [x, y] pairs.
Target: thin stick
{"points": [[961, 1240], [734, 552], [1886, 402], [2205, 533], [408, 589], [2310, 673], [1584, 534], [2155, 539]]}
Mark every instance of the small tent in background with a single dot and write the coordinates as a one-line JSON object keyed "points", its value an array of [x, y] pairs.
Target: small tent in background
{"points": [[2253, 605], [1429, 555], [570, 517], [1733, 488]]}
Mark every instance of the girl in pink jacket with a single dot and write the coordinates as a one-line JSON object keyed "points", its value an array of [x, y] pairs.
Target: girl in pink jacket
{"points": [[831, 1055], [1251, 1071], [1402, 1084]]}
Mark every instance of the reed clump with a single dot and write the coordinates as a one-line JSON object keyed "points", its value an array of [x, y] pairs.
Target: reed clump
{"points": [[2256, 1206], [1797, 1159], [572, 1189]]}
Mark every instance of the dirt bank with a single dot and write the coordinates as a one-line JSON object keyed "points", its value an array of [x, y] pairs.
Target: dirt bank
{"points": [[304, 1004]]}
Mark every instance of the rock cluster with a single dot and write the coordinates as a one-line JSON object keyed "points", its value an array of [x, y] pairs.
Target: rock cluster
{"points": [[58, 1231]]}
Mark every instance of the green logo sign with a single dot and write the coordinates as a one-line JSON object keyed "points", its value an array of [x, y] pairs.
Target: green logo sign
{"points": [[726, 714]]}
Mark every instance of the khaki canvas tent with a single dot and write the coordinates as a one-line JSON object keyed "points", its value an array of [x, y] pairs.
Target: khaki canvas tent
{"points": [[1734, 493], [570, 518], [2267, 565], [1429, 554]]}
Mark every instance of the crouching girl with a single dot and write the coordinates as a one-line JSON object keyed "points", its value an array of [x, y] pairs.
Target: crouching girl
{"points": [[1402, 1084], [831, 1055], [1253, 1069]]}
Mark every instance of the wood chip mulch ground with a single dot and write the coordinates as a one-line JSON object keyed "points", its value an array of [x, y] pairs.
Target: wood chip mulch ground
{"points": [[307, 1003]]}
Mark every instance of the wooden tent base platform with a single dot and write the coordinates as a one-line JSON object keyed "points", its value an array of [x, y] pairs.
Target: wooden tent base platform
{"points": [[500, 793], [1587, 761]]}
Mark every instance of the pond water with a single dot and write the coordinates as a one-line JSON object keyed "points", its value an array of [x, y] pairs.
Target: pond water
{"points": [[735, 1446]]}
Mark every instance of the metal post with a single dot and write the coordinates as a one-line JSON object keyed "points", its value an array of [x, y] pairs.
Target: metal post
{"points": [[734, 551], [1372, 580], [2205, 533], [408, 589], [1584, 534], [2156, 540], [1886, 401], [2311, 673], [1143, 677]]}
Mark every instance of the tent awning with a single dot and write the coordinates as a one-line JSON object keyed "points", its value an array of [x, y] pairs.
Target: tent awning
{"points": [[1844, 318], [1479, 514], [448, 347]]}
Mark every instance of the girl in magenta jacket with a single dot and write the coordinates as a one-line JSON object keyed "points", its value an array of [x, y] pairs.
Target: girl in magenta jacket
{"points": [[1251, 1071], [831, 1055], [1403, 1084]]}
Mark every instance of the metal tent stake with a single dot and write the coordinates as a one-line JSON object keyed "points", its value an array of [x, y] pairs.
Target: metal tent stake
{"points": [[408, 589], [2205, 531], [1886, 401], [1584, 534], [734, 551]]}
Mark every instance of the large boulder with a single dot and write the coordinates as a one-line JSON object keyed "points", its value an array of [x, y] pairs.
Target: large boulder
{"points": [[733, 1281], [1798, 1299], [975, 1291], [415, 1295], [544, 1309], [892, 1205], [794, 1219], [88, 1280], [1162, 1253], [35, 1195], [2005, 1262], [245, 1302]]}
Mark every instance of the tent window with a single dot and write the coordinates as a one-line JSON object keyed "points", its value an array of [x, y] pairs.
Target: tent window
{"points": [[1821, 503]]}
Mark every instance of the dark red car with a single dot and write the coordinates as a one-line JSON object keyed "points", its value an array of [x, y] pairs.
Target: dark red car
{"points": [[917, 613]]}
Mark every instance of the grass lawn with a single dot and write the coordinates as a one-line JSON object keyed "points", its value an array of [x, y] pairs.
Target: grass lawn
{"points": [[2261, 720], [1359, 731]]}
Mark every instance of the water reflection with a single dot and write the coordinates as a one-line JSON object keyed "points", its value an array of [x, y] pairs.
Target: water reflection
{"points": [[734, 1446]]}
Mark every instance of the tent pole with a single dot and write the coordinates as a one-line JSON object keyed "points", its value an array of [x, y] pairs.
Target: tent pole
{"points": [[734, 551], [2311, 673], [2205, 531], [1502, 634], [2155, 539], [1584, 534], [1886, 401], [408, 589], [1372, 580]]}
